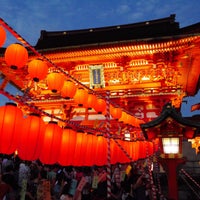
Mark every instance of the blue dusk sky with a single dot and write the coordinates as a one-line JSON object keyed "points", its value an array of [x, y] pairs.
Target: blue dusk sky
{"points": [[29, 17]]}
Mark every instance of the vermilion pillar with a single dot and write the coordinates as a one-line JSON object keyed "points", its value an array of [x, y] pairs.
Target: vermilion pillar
{"points": [[171, 166]]}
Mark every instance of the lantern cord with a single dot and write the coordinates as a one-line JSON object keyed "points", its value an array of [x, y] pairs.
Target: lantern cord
{"points": [[108, 141], [23, 41], [124, 151], [40, 111]]}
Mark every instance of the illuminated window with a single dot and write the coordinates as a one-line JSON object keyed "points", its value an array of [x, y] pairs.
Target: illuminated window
{"points": [[170, 145]]}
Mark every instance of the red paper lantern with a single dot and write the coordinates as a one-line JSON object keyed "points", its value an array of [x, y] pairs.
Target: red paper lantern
{"points": [[115, 112], [16, 56], [90, 147], [67, 147], [68, 90], [135, 150], [150, 148], [100, 106], [11, 118], [37, 69], [80, 145], [100, 153], [51, 143], [55, 81], [81, 97], [91, 100], [2, 36], [31, 137], [123, 117], [143, 149], [117, 154]]}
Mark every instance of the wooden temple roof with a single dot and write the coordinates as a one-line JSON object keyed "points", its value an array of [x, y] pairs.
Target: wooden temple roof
{"points": [[148, 29], [152, 29], [172, 117]]}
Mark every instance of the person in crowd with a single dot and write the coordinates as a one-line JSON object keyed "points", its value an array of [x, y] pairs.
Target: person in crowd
{"points": [[87, 188], [65, 192], [4, 189], [32, 184], [8, 177]]}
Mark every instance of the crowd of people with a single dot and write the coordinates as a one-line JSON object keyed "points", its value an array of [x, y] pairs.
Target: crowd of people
{"points": [[35, 181]]}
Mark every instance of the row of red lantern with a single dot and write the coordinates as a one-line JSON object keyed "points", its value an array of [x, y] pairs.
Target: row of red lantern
{"points": [[33, 139], [16, 56]]}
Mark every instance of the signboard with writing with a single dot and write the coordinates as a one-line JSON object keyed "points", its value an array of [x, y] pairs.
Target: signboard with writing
{"points": [[96, 76]]}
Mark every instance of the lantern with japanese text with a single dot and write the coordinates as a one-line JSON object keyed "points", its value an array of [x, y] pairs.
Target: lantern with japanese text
{"points": [[37, 69], [16, 56], [55, 81], [31, 137], [51, 143], [2, 36], [11, 118]]}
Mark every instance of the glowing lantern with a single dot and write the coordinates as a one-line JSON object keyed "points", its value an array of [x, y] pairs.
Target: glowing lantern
{"points": [[90, 149], [37, 69], [55, 81], [115, 112], [79, 148], [100, 154], [2, 36], [123, 117], [81, 97], [115, 154], [51, 143], [100, 106], [68, 90], [143, 149], [67, 147], [90, 101], [11, 118], [135, 150], [31, 137], [16, 56]]}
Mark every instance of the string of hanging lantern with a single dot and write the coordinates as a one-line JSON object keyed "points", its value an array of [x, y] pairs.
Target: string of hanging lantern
{"points": [[35, 108], [100, 103]]}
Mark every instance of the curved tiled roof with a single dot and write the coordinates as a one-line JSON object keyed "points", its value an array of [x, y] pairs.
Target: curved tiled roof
{"points": [[170, 111], [148, 29]]}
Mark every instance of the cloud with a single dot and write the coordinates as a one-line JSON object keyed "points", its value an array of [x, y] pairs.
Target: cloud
{"points": [[30, 17]]}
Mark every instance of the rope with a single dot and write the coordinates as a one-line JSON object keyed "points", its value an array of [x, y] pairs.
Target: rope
{"points": [[124, 151], [108, 141]]}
